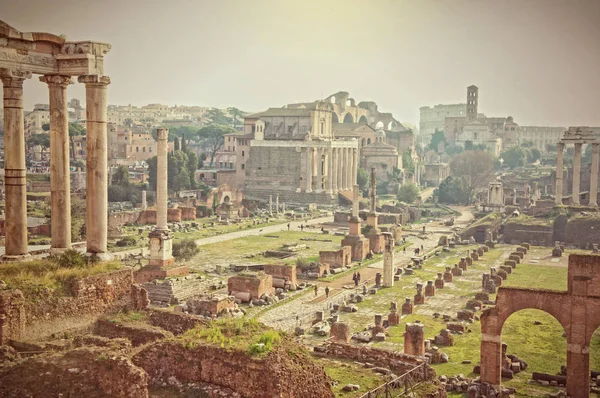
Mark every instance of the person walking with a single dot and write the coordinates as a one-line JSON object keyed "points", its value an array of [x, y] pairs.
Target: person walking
{"points": [[289, 224], [316, 290], [358, 277], [327, 292]]}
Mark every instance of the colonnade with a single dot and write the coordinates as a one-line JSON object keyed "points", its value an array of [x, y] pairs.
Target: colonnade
{"points": [[330, 169], [60, 181], [558, 194]]}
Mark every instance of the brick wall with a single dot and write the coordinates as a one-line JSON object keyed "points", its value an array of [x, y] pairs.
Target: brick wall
{"points": [[36, 318], [124, 217], [256, 285], [338, 258], [188, 213], [285, 271]]}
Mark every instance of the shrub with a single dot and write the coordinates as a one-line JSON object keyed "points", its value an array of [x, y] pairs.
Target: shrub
{"points": [[127, 241], [71, 259], [185, 249], [408, 193], [302, 262]]}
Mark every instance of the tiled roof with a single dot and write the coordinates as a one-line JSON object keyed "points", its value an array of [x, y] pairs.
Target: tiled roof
{"points": [[294, 112]]}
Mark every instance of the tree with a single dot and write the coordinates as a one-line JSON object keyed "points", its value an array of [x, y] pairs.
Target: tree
{"points": [[474, 168], [183, 144], [178, 175], [192, 166], [534, 155], [39, 139], [212, 137], [121, 176], [408, 193], [452, 191], [201, 160], [128, 123], [217, 116], [235, 114], [76, 129], [176, 144], [514, 157], [362, 179], [46, 126], [407, 162], [437, 138], [527, 144], [469, 145]]}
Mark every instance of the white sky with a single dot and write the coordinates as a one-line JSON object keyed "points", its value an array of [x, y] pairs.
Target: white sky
{"points": [[536, 60]]}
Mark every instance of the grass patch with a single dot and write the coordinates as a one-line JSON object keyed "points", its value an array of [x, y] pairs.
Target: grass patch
{"points": [[344, 372], [35, 278], [234, 334]]}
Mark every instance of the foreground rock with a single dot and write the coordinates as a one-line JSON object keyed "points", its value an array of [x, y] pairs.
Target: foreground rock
{"points": [[83, 372]]}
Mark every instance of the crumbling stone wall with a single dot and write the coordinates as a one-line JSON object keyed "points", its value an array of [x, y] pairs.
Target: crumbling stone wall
{"points": [[116, 220], [282, 271], [176, 323], [539, 235], [397, 362], [256, 284], [83, 372], [336, 259], [188, 213], [278, 374], [50, 314]]}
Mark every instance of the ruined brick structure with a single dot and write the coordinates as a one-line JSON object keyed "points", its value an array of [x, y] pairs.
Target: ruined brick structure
{"points": [[281, 273], [254, 283], [336, 259], [577, 310], [89, 297]]}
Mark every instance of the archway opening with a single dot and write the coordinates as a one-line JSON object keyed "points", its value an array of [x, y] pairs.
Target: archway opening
{"points": [[348, 118], [538, 339], [226, 199], [363, 119], [334, 118]]}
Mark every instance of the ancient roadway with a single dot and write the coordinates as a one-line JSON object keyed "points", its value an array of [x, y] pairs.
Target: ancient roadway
{"points": [[304, 307]]}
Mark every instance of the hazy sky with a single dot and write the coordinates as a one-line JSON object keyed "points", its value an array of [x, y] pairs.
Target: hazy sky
{"points": [[538, 61]]}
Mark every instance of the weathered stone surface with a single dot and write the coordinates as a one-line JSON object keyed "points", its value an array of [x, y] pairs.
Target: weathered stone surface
{"points": [[275, 374], [83, 372]]}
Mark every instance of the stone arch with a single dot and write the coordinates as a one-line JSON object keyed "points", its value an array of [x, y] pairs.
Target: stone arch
{"points": [[226, 199], [363, 119], [391, 125], [379, 126], [556, 303], [348, 118], [334, 118]]}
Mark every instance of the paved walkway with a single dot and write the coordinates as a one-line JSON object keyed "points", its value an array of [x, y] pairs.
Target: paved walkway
{"points": [[294, 226], [284, 317]]}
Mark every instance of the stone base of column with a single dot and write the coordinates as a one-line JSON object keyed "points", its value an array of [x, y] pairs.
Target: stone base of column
{"points": [[16, 258], [359, 245], [161, 248], [59, 250]]}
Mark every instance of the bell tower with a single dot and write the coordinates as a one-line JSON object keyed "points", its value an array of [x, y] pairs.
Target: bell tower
{"points": [[472, 99]]}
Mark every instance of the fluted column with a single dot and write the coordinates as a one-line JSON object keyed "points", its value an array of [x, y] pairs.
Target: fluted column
{"points": [[576, 173], [354, 166], [345, 169], [162, 193], [96, 218], [558, 191], [60, 174], [329, 170], [594, 177], [334, 170], [15, 226], [308, 169], [319, 170], [340, 167]]}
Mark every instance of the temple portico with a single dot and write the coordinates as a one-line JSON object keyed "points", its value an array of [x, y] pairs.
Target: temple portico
{"points": [[577, 136], [57, 61]]}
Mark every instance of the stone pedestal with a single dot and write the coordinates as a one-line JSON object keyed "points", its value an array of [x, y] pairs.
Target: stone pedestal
{"points": [[414, 339], [393, 318], [429, 289], [456, 271], [448, 275], [439, 282], [407, 307], [419, 297], [161, 247]]}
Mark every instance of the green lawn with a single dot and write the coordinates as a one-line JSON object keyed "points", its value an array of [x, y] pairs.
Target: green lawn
{"points": [[344, 372], [541, 346]]}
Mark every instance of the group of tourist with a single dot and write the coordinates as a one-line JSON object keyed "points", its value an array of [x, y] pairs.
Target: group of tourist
{"points": [[356, 278]]}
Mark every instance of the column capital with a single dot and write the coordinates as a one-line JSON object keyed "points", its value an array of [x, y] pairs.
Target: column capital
{"points": [[163, 134], [57, 79], [94, 80], [11, 77], [595, 147], [560, 146]]}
